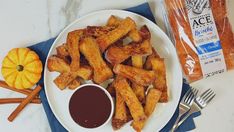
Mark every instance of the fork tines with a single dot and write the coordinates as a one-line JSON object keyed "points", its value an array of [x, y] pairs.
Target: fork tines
{"points": [[208, 95], [191, 95]]}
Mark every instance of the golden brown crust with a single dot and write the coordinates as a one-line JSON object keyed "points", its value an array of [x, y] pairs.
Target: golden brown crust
{"points": [[97, 31], [90, 50], [124, 52], [131, 78], [106, 40], [160, 83], [152, 99], [137, 61], [73, 48], [164, 97], [135, 107], [143, 48], [85, 72], [59, 65], [135, 35], [138, 125], [111, 89], [120, 117], [145, 33], [64, 79], [117, 123], [148, 64], [114, 58], [113, 21], [139, 76], [139, 91], [54, 63], [62, 52], [74, 84], [120, 111]]}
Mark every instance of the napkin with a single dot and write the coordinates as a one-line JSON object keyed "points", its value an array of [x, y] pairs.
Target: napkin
{"points": [[42, 50]]}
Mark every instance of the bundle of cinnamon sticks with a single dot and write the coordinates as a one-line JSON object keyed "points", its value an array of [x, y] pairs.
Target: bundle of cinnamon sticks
{"points": [[32, 97]]}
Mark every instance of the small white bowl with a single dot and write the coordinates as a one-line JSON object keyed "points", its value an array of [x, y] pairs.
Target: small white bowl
{"points": [[110, 99]]}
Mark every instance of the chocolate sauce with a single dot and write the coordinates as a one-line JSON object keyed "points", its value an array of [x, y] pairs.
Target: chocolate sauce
{"points": [[90, 107]]}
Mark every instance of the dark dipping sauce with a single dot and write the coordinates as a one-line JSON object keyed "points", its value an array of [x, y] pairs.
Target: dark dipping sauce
{"points": [[90, 107]]}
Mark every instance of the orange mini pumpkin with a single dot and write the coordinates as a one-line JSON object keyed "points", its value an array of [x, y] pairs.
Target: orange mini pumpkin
{"points": [[21, 68]]}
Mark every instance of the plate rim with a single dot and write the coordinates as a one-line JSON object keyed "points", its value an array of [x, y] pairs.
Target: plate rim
{"points": [[97, 12]]}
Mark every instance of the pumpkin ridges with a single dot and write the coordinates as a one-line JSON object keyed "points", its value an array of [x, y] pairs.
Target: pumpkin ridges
{"points": [[32, 71], [13, 56], [5, 75], [7, 63], [25, 57], [22, 54], [22, 84], [31, 62], [10, 60], [21, 68], [13, 82], [4, 67], [18, 81], [17, 55], [10, 81], [32, 77], [38, 69], [31, 56], [26, 80]]}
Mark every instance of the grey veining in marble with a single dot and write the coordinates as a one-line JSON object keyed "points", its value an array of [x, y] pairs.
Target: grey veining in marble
{"points": [[61, 14], [71, 10]]}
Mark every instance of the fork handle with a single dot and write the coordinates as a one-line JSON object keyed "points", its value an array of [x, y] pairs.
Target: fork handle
{"points": [[176, 123], [184, 118]]}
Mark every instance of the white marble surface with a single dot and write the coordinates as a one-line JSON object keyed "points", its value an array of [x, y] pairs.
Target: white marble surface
{"points": [[26, 22]]}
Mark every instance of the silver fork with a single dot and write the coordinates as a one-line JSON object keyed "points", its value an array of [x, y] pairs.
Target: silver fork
{"points": [[185, 105], [199, 103]]}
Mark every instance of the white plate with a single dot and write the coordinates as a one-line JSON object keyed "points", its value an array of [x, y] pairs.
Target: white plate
{"points": [[58, 100]]}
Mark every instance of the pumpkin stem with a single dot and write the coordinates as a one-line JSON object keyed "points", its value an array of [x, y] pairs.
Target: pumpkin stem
{"points": [[20, 68]]}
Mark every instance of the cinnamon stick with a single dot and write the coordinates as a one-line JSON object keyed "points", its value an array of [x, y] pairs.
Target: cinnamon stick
{"points": [[18, 100], [24, 103], [6, 86], [3, 84]]}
